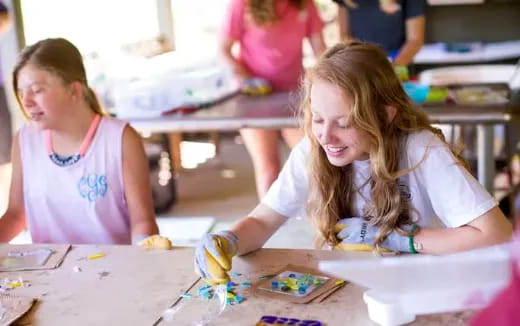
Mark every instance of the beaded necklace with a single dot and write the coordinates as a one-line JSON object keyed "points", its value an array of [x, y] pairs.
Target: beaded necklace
{"points": [[69, 160]]}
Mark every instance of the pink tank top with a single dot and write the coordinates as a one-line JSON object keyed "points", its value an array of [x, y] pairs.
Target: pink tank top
{"points": [[81, 203]]}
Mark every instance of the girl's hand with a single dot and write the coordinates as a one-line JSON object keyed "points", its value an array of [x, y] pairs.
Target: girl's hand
{"points": [[156, 241], [358, 235], [213, 256], [256, 86]]}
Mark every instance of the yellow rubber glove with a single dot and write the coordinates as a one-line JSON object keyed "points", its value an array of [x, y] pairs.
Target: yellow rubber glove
{"points": [[356, 234], [213, 256], [256, 86], [350, 246], [156, 241]]}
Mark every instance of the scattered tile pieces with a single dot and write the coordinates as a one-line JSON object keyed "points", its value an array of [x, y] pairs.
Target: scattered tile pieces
{"points": [[207, 292], [266, 277]]}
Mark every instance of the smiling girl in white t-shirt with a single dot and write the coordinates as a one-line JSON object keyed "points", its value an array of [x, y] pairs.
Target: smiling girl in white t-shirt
{"points": [[372, 173]]}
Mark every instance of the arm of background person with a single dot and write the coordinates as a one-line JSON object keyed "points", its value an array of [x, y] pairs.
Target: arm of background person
{"points": [[317, 44], [343, 24], [314, 30], [415, 27], [238, 69]]}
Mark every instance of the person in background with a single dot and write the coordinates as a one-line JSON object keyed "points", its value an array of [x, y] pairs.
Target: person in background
{"points": [[397, 26], [79, 176], [5, 119], [503, 309], [372, 173], [270, 35]]}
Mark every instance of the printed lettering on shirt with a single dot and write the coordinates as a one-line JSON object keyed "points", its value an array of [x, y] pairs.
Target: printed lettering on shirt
{"points": [[406, 194], [92, 186], [363, 232]]}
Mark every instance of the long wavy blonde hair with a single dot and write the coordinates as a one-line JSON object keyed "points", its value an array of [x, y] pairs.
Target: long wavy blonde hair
{"points": [[263, 12], [362, 72]]}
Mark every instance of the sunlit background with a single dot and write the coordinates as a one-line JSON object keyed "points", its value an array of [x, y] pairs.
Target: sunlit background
{"points": [[117, 40]]}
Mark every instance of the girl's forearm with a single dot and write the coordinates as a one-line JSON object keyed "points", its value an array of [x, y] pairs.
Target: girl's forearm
{"points": [[10, 226], [451, 240], [252, 233], [144, 229]]}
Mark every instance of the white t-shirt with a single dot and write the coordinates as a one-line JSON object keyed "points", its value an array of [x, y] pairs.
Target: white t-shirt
{"points": [[442, 193]]}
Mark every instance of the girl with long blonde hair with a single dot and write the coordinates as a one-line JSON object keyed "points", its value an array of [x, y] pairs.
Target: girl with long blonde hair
{"points": [[372, 173]]}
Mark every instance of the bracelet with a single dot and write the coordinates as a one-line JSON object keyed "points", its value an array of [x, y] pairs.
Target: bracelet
{"points": [[410, 240]]}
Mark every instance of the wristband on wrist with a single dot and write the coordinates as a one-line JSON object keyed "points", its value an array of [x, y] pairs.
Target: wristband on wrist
{"points": [[229, 235], [410, 240]]}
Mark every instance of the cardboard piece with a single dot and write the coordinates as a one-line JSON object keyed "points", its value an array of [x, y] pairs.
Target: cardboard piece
{"points": [[328, 284], [13, 307], [31, 256]]}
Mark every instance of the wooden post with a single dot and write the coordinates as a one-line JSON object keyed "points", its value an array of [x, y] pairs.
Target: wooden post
{"points": [[214, 138], [175, 139]]}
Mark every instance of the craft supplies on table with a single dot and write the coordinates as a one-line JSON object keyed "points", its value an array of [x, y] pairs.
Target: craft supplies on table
{"points": [[295, 283], [298, 284], [278, 321], [199, 310], [31, 257]]}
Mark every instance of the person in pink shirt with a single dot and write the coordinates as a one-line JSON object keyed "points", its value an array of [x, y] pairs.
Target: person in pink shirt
{"points": [[79, 176], [270, 35], [503, 310]]}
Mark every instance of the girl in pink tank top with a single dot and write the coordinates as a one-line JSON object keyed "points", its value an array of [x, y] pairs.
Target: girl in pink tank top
{"points": [[78, 175], [269, 35]]}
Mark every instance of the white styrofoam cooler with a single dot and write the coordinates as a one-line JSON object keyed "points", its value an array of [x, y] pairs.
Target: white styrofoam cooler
{"points": [[400, 288]]}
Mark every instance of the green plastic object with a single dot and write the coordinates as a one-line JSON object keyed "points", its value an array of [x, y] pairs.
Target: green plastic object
{"points": [[402, 73], [437, 94]]}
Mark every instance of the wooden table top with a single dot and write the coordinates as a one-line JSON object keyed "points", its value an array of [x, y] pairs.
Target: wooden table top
{"points": [[134, 286]]}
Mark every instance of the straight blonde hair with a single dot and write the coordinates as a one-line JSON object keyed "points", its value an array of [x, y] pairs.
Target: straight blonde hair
{"points": [[62, 58]]}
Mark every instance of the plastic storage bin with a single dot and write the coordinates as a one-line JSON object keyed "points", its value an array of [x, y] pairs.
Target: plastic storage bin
{"points": [[400, 288], [163, 83]]}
